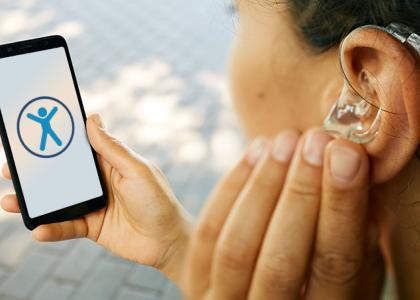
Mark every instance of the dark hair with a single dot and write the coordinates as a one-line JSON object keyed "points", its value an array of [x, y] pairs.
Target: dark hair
{"points": [[324, 23]]}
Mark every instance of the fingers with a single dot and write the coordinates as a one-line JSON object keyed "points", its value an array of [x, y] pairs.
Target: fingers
{"points": [[6, 172], [340, 242], [283, 259], [372, 275], [61, 231], [239, 243], [113, 151], [213, 218], [50, 232], [10, 204]]}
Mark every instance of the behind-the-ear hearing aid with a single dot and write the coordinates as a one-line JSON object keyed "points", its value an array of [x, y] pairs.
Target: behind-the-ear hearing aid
{"points": [[354, 116]]}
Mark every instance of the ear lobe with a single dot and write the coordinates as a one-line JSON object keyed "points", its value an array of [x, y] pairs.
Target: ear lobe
{"points": [[386, 74]]}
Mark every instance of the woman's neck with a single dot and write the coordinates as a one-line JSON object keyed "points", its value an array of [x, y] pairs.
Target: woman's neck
{"points": [[397, 207]]}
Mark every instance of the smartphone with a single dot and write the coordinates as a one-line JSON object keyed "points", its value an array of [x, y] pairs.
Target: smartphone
{"points": [[54, 169]]}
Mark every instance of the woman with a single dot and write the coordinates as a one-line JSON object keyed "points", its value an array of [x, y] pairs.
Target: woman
{"points": [[301, 212]]}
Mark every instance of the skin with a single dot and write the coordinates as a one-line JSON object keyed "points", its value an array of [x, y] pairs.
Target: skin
{"points": [[278, 82], [269, 68], [250, 234], [125, 226], [271, 255]]}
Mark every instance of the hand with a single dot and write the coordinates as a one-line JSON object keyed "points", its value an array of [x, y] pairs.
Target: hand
{"points": [[143, 221], [274, 230]]}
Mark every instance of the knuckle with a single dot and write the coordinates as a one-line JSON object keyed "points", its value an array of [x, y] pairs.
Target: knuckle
{"points": [[116, 141], [158, 171], [278, 274], [229, 186], [303, 188], [335, 268], [344, 203], [109, 141], [233, 254], [207, 231], [266, 179], [144, 168]]}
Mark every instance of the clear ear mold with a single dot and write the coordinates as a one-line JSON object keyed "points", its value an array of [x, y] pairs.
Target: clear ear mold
{"points": [[354, 118]]}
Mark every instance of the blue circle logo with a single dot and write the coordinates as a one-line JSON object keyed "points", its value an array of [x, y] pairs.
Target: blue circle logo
{"points": [[45, 127]]}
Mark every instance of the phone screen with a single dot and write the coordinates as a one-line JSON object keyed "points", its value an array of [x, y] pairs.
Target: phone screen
{"points": [[46, 131]]}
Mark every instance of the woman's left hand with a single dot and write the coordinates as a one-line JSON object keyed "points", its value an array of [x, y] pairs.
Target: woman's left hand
{"points": [[289, 230]]}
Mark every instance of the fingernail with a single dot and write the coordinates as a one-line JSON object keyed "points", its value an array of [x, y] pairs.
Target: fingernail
{"points": [[256, 150], [284, 146], [98, 120], [313, 150], [344, 163]]}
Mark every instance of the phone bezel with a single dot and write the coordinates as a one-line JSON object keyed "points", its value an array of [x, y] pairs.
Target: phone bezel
{"points": [[71, 212]]}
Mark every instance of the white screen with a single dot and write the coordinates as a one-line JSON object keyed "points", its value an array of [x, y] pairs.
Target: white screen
{"points": [[46, 132]]}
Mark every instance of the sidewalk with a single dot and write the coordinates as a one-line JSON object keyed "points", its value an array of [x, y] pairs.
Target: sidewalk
{"points": [[155, 70]]}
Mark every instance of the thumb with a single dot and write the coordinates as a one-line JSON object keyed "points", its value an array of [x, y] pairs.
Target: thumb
{"points": [[109, 148]]}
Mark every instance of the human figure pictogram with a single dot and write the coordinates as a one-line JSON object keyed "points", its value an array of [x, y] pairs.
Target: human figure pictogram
{"points": [[44, 119]]}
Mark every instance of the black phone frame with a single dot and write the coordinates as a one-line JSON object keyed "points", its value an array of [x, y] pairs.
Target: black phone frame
{"points": [[71, 212]]}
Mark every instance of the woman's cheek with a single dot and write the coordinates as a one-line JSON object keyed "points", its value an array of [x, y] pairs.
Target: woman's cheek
{"points": [[244, 92], [259, 99]]}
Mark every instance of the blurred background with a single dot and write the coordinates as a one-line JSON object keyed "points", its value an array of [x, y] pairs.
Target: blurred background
{"points": [[156, 71]]}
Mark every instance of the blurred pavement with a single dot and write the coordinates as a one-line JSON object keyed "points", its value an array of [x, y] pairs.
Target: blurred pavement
{"points": [[156, 72]]}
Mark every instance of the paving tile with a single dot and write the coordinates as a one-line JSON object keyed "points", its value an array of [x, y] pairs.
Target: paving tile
{"points": [[3, 274], [58, 248], [5, 227], [79, 261], [104, 281], [126, 293], [27, 276], [114, 258], [171, 292], [14, 245], [53, 290], [143, 276]]}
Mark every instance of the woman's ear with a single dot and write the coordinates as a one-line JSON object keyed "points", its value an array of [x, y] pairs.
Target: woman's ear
{"points": [[386, 73]]}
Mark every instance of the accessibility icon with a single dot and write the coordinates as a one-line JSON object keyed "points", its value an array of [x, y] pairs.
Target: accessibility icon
{"points": [[45, 127]]}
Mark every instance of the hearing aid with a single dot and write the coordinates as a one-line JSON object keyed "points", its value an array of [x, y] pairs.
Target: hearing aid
{"points": [[354, 116]]}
